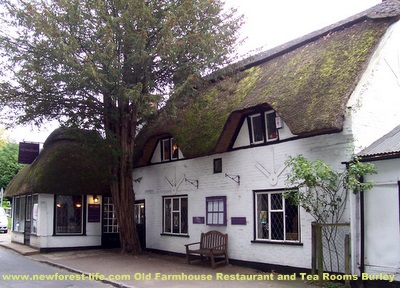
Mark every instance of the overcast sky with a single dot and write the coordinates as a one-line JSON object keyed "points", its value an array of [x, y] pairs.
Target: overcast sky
{"points": [[267, 24]]}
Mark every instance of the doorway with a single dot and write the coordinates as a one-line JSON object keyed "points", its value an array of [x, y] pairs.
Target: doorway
{"points": [[110, 235]]}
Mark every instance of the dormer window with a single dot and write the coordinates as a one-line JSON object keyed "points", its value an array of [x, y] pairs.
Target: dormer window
{"points": [[169, 149], [262, 127]]}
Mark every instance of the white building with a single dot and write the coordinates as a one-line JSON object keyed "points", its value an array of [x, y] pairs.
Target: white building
{"points": [[220, 163], [379, 211]]}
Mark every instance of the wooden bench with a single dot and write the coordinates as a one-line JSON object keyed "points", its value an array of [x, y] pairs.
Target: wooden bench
{"points": [[213, 244]]}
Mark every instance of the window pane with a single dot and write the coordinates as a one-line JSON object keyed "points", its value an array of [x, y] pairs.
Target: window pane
{"points": [[292, 221], [272, 132], [166, 149], [28, 207], [34, 213], [210, 205], [220, 218], [262, 214], [276, 201], [184, 215], [257, 128], [17, 212], [277, 225], [22, 214], [167, 215], [174, 147], [175, 206], [220, 206], [69, 214], [176, 222]]}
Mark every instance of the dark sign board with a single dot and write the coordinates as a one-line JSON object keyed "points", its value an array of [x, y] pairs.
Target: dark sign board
{"points": [[93, 212], [28, 152]]}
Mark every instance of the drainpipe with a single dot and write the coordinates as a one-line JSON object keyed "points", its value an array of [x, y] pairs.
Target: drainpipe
{"points": [[362, 232]]}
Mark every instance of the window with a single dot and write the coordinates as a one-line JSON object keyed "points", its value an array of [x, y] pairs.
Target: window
{"points": [[139, 213], [34, 213], [175, 215], [19, 214], [69, 214], [218, 165], [263, 126], [216, 210], [276, 218], [256, 124], [169, 149], [110, 224]]}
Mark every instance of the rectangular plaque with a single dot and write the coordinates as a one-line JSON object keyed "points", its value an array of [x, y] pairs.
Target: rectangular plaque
{"points": [[238, 220], [93, 212], [198, 220]]}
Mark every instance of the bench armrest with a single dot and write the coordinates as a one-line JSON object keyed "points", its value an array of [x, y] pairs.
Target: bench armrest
{"points": [[194, 243]]}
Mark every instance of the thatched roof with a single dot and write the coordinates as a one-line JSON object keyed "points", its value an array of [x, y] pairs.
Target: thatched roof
{"points": [[308, 81], [71, 162]]}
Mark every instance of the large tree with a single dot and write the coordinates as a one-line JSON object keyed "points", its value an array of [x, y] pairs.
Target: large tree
{"points": [[105, 64], [9, 166]]}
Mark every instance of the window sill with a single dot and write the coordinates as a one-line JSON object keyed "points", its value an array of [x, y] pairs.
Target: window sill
{"points": [[277, 242], [69, 234], [175, 235]]}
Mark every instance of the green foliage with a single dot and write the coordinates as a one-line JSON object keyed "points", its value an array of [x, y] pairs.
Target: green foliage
{"points": [[322, 191], [9, 166], [106, 65], [91, 62]]}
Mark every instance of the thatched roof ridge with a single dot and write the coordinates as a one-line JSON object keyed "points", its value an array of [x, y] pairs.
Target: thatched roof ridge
{"points": [[308, 82], [71, 162]]}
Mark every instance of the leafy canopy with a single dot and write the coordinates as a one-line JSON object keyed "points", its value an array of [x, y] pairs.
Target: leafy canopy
{"points": [[9, 165], [77, 61], [322, 191]]}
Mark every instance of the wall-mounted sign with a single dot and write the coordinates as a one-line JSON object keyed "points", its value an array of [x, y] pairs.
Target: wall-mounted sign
{"points": [[28, 152], [93, 212]]}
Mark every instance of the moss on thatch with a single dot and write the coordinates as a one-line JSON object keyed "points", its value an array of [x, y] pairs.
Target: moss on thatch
{"points": [[308, 85], [72, 162]]}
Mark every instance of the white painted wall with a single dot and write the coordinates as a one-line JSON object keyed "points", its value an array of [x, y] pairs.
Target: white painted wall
{"points": [[374, 105], [250, 164], [45, 238], [382, 227]]}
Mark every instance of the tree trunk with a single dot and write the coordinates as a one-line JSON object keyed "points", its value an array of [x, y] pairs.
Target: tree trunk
{"points": [[122, 130]]}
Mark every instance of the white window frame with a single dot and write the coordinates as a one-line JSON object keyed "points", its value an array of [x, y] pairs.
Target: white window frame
{"points": [[110, 224], [172, 149], [267, 225], [172, 219], [58, 231], [19, 213]]}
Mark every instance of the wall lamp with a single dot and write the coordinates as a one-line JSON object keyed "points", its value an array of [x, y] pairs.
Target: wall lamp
{"points": [[95, 199]]}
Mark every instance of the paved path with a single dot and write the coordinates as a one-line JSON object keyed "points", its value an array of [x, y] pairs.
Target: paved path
{"points": [[154, 270]]}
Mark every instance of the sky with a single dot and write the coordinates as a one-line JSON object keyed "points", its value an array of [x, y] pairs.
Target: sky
{"points": [[267, 24]]}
